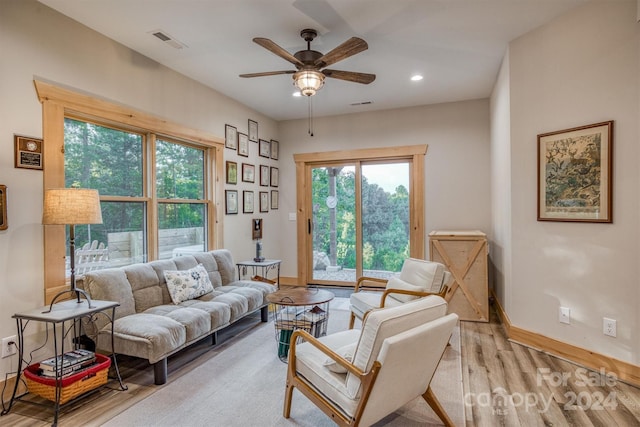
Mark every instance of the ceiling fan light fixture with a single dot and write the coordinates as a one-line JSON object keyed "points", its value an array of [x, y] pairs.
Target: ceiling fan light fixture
{"points": [[308, 81]]}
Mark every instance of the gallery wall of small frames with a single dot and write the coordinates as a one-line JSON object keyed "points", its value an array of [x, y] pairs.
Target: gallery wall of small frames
{"points": [[243, 179]]}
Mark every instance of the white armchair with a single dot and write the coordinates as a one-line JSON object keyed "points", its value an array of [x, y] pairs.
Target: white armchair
{"points": [[357, 377], [418, 278]]}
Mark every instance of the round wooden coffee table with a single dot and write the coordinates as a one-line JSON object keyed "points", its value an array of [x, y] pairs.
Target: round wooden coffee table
{"points": [[299, 308]]}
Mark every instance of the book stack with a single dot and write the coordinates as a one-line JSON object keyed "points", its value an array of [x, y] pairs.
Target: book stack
{"points": [[67, 364]]}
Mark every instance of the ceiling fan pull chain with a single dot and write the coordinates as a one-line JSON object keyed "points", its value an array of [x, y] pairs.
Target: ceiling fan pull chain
{"points": [[310, 116]]}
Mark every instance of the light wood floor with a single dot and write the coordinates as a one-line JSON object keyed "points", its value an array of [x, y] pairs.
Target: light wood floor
{"points": [[505, 384]]}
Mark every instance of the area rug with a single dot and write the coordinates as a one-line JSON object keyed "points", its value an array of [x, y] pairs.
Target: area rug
{"points": [[244, 384]]}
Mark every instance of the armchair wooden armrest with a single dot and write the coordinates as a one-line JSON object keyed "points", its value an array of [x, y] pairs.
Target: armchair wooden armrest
{"points": [[418, 294], [364, 279], [367, 379]]}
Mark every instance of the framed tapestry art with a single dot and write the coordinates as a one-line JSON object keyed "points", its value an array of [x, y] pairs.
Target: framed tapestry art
{"points": [[575, 174]]}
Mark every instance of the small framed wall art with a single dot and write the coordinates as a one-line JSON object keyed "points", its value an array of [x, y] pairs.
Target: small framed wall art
{"points": [[28, 152], [243, 145], [3, 207], [575, 174], [231, 201], [232, 172], [253, 130], [264, 176], [264, 148], [247, 202], [230, 137], [248, 172], [264, 201], [274, 199], [275, 177], [275, 145]]}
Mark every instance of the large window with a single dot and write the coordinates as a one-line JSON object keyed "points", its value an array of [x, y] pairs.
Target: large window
{"points": [[112, 161], [159, 183]]}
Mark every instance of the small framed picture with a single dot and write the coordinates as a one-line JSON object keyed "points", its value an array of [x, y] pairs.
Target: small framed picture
{"points": [[274, 149], [256, 228], [264, 176], [230, 137], [264, 148], [243, 145], [3, 207], [264, 201], [274, 177], [253, 130], [232, 172], [231, 201], [274, 199], [575, 170], [248, 172], [247, 202], [28, 152]]}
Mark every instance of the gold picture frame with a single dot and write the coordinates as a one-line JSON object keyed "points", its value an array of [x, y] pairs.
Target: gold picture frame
{"points": [[3, 208], [575, 174], [28, 152]]}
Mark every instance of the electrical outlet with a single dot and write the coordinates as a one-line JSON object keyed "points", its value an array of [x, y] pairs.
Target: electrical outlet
{"points": [[609, 327], [9, 349], [564, 316]]}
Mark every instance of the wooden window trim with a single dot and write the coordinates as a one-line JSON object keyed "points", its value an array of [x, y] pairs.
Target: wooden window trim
{"points": [[58, 103], [305, 161]]}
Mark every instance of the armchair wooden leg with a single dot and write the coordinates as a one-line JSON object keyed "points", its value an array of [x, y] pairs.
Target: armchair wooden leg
{"points": [[352, 320], [437, 408], [288, 395]]}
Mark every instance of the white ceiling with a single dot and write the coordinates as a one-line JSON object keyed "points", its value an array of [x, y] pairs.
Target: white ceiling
{"points": [[456, 44]]}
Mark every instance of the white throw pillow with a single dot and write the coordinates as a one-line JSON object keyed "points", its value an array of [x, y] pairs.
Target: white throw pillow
{"points": [[426, 274], [184, 285], [347, 352], [395, 283]]}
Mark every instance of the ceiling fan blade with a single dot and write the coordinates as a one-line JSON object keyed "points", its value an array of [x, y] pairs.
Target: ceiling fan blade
{"points": [[352, 76], [267, 73], [349, 48], [274, 48]]}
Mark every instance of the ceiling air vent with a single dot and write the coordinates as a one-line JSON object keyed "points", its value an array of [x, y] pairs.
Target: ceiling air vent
{"points": [[355, 104], [165, 37]]}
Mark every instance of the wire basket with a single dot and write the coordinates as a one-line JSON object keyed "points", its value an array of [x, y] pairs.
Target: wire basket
{"points": [[312, 319], [72, 386]]}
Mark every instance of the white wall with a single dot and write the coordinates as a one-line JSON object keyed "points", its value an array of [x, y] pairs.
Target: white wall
{"points": [[580, 69], [501, 187], [457, 169], [37, 42]]}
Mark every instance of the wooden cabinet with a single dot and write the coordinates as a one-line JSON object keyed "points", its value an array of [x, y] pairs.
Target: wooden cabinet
{"points": [[465, 254]]}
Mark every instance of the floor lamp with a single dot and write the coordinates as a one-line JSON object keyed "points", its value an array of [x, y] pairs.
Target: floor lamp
{"points": [[72, 206]]}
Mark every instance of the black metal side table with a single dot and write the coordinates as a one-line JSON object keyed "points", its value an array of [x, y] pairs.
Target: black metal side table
{"points": [[63, 318], [264, 266]]}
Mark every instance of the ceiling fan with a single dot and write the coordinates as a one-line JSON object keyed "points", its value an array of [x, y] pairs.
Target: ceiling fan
{"points": [[310, 72]]}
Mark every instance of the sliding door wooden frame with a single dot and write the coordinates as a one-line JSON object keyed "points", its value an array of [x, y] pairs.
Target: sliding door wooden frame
{"points": [[306, 161]]}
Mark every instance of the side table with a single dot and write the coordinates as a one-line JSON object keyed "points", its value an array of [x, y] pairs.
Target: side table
{"points": [[264, 267], [63, 318], [299, 308]]}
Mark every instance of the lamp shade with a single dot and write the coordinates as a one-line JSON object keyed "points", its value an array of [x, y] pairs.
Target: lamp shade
{"points": [[71, 206], [309, 82]]}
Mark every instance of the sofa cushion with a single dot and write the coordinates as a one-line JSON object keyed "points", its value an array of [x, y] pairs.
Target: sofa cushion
{"points": [[109, 285], [197, 323], [346, 352], [226, 267], [363, 301], [211, 265], [144, 335], [397, 283], [187, 284], [146, 285]]}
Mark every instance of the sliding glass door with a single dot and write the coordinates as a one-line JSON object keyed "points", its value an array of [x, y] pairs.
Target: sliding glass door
{"points": [[360, 222]]}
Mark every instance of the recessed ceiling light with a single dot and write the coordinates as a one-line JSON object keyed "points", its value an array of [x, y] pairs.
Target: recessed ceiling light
{"points": [[416, 78]]}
